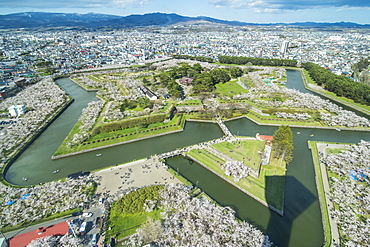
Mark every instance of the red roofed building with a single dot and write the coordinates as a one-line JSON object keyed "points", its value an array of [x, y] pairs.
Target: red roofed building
{"points": [[26, 238], [269, 139]]}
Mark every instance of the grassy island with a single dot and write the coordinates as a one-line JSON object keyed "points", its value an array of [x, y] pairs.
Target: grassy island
{"points": [[266, 182]]}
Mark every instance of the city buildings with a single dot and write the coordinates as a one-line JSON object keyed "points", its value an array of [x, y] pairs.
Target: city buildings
{"points": [[27, 55]]}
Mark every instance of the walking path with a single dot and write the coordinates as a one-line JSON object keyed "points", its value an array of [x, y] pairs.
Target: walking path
{"points": [[321, 147], [224, 128]]}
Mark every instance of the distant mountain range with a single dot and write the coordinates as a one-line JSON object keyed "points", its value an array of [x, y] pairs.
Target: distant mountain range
{"points": [[94, 20]]}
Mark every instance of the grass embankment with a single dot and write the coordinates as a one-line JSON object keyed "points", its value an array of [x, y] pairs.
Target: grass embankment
{"points": [[321, 193], [190, 102], [108, 138], [281, 121], [128, 214], [84, 86], [178, 176], [269, 186]]}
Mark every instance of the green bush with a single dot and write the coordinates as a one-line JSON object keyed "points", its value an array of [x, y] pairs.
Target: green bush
{"points": [[134, 202], [136, 122]]}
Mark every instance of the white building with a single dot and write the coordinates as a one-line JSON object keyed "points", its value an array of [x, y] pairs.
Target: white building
{"points": [[148, 93], [284, 47], [17, 110]]}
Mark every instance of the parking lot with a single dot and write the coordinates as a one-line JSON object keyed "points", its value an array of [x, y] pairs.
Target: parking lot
{"points": [[7, 123]]}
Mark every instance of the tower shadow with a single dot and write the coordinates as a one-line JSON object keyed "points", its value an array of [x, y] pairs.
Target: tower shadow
{"points": [[297, 199]]}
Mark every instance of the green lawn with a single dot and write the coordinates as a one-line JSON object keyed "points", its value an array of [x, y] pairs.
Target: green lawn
{"points": [[229, 88], [247, 81], [245, 151], [126, 225], [334, 150]]}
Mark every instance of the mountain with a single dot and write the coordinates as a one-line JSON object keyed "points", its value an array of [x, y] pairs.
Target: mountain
{"points": [[94, 20], [41, 19], [328, 24]]}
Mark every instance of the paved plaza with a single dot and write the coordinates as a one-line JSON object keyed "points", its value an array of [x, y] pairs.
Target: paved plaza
{"points": [[114, 180]]}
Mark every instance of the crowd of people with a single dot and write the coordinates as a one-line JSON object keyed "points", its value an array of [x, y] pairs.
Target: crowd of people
{"points": [[350, 193], [188, 221]]}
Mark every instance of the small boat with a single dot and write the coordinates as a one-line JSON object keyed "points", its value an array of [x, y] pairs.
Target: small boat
{"points": [[312, 135], [24, 179], [338, 129], [298, 133], [56, 171], [98, 155]]}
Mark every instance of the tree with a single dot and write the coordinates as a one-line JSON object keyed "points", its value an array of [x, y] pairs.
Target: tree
{"points": [[203, 83], [220, 75], [283, 143], [146, 82], [236, 72], [151, 230]]}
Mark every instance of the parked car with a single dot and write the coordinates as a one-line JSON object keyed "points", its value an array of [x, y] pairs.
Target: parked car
{"points": [[89, 214], [94, 239], [83, 228]]}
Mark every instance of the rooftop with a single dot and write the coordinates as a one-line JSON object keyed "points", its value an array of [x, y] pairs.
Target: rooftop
{"points": [[26, 238]]}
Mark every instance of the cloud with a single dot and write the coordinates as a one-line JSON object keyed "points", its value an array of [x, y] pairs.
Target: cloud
{"points": [[289, 5], [47, 4], [125, 3]]}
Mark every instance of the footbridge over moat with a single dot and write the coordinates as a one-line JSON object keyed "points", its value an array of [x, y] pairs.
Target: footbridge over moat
{"points": [[228, 137]]}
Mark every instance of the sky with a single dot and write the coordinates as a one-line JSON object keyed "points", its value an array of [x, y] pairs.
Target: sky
{"points": [[252, 11]]}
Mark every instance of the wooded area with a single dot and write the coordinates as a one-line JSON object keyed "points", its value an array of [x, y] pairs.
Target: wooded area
{"points": [[197, 58], [257, 61], [338, 84]]}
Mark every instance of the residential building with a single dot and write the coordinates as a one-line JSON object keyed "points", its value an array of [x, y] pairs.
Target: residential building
{"points": [[17, 110]]}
